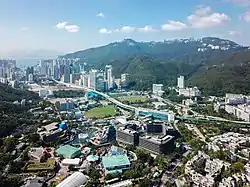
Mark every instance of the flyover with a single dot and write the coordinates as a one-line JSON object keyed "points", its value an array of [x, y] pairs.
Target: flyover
{"points": [[147, 111]]}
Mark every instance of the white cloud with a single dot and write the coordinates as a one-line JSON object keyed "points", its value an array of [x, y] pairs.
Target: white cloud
{"points": [[147, 29], [61, 25], [234, 33], [246, 17], [100, 14], [173, 26], [72, 28], [66, 26], [105, 31], [204, 18], [126, 29], [240, 2]]}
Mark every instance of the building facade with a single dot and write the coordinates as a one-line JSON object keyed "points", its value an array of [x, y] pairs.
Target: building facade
{"points": [[180, 82]]}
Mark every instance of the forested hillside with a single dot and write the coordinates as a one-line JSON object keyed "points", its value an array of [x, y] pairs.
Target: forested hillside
{"points": [[11, 115], [227, 74]]}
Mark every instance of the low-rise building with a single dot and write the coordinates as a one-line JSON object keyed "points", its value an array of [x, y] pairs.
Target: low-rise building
{"points": [[190, 92], [68, 151], [158, 89], [115, 163]]}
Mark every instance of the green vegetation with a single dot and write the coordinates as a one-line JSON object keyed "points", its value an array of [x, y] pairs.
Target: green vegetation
{"points": [[133, 100], [163, 62], [172, 95], [210, 129], [190, 138], [229, 74], [10, 94], [101, 112], [49, 165], [208, 110], [68, 93]]}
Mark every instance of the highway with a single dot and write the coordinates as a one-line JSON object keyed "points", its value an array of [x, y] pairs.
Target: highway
{"points": [[177, 106]]}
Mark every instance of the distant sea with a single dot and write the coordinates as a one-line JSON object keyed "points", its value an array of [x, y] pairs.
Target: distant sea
{"points": [[27, 62]]}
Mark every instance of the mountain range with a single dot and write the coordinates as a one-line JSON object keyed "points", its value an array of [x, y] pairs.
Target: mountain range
{"points": [[162, 62]]}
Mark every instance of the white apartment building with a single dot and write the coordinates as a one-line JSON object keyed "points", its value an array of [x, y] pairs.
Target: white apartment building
{"points": [[180, 82], [240, 111], [92, 78], [108, 78], [190, 92], [157, 89]]}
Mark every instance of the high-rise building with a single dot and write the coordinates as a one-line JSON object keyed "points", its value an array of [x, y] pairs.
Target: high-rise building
{"points": [[108, 78], [124, 80], [30, 78], [67, 71], [100, 81], [92, 78], [43, 67], [180, 82]]}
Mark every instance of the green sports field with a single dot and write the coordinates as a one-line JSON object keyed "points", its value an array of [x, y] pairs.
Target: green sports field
{"points": [[101, 112]]}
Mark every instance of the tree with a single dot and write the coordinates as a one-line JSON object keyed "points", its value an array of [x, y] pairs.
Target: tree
{"points": [[144, 183], [94, 174]]}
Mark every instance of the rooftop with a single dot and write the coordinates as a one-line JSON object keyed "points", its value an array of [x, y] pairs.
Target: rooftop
{"points": [[51, 126], [117, 160], [67, 150]]}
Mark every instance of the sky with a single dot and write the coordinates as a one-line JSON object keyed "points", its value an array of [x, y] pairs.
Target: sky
{"points": [[70, 25]]}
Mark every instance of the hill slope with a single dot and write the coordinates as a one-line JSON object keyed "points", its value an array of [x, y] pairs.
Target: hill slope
{"points": [[227, 74], [9, 94], [184, 50], [11, 115]]}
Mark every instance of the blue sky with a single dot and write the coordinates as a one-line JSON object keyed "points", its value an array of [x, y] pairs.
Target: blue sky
{"points": [[70, 25]]}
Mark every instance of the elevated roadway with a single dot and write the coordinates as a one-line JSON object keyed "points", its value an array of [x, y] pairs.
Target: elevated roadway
{"points": [[132, 108]]}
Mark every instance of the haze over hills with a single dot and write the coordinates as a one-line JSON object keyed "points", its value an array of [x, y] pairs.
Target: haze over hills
{"points": [[162, 62]]}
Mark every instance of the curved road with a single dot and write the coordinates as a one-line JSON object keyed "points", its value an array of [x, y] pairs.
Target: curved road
{"points": [[132, 108]]}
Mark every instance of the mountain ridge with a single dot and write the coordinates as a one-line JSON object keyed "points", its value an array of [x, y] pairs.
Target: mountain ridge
{"points": [[161, 62]]}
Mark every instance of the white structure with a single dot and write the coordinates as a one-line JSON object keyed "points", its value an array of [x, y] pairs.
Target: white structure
{"points": [[43, 92], [180, 82], [157, 89], [74, 162], [76, 179], [92, 78], [190, 92], [240, 111], [235, 99], [124, 77], [108, 78], [30, 78], [71, 80]]}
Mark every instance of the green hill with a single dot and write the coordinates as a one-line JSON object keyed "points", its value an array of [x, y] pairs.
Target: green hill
{"points": [[227, 74], [11, 115], [10, 94]]}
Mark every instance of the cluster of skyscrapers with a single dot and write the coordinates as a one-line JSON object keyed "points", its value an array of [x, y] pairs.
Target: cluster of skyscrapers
{"points": [[7, 70], [60, 68], [73, 71], [103, 80]]}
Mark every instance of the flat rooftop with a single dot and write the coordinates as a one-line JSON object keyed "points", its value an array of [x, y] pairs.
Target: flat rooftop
{"points": [[67, 150], [51, 126], [116, 160]]}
